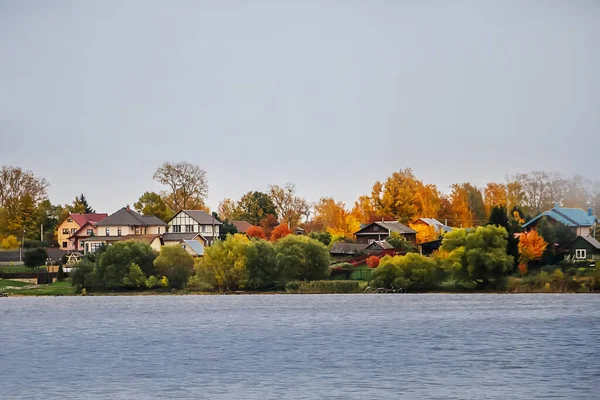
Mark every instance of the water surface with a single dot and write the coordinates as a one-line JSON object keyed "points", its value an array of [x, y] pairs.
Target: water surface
{"points": [[301, 347]]}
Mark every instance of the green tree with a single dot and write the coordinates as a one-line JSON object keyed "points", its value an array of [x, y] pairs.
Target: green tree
{"points": [[60, 276], [150, 203], [261, 265], [300, 258], [477, 254], [412, 271], [253, 207], [112, 265], [152, 282], [499, 217], [82, 276], [400, 243], [81, 205], [134, 278], [223, 265], [322, 236], [35, 257], [226, 229], [176, 264]]}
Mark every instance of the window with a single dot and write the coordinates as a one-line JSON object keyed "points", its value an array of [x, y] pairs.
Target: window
{"points": [[203, 228], [65, 231], [159, 230], [176, 228], [189, 228], [138, 230], [64, 245], [94, 247], [73, 230], [107, 231], [69, 220], [90, 232], [580, 254], [183, 246], [119, 232]]}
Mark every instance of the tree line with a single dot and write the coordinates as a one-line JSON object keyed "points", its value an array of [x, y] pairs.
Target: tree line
{"points": [[25, 207]]}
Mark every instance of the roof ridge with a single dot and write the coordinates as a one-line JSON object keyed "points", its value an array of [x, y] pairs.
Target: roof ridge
{"points": [[565, 216]]}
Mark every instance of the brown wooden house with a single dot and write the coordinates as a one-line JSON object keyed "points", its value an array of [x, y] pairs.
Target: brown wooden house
{"points": [[381, 230]]}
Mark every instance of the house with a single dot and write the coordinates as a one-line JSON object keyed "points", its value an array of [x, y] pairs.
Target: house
{"points": [[584, 248], [341, 249], [439, 227], [76, 228], [429, 248], [380, 248], [241, 226], [299, 231], [577, 219], [126, 224], [195, 221], [172, 239], [381, 230]]}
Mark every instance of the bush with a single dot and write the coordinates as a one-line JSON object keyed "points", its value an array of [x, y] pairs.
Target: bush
{"points": [[113, 265], [35, 257], [60, 275], [373, 262], [135, 277], [164, 282], [152, 282], [315, 287], [10, 243], [82, 275], [322, 236], [261, 266], [176, 264], [198, 285], [412, 271], [301, 258]]}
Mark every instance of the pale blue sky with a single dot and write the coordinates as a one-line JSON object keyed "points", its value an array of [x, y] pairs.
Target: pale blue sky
{"points": [[95, 95]]}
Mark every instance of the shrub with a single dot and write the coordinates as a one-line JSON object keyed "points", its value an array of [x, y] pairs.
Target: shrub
{"points": [[261, 265], [113, 265], [196, 284], [35, 257], [9, 243], [322, 236], [301, 258], [152, 282], [256, 232], [280, 232], [135, 277], [323, 287], [412, 271], [164, 282], [60, 275], [82, 275], [373, 262], [176, 264]]}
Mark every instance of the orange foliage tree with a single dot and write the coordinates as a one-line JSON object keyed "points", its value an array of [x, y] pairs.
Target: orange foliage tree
{"points": [[279, 232], [531, 248], [373, 261], [494, 194], [268, 223], [256, 232], [334, 218], [425, 233]]}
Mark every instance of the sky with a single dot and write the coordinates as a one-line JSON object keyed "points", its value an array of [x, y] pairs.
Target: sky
{"points": [[331, 95]]}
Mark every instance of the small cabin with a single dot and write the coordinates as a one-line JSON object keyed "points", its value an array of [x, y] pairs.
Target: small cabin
{"points": [[584, 248]]}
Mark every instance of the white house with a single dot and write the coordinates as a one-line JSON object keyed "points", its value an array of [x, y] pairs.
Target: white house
{"points": [[195, 221]]}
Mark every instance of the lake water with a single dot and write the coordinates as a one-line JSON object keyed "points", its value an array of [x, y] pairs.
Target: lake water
{"points": [[301, 347]]}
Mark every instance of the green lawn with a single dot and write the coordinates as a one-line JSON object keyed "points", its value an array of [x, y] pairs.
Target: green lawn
{"points": [[7, 282], [52, 289]]}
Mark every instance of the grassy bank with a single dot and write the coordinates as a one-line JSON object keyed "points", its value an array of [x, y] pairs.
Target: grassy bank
{"points": [[25, 289]]}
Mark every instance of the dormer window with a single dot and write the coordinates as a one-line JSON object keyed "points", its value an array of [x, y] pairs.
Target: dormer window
{"points": [[69, 220]]}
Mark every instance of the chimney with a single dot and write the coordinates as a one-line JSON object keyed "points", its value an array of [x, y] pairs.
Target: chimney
{"points": [[127, 208], [590, 212]]}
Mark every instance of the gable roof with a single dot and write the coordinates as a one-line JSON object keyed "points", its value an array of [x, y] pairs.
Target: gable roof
{"points": [[82, 219], [437, 224], [572, 217], [392, 226], [201, 217], [127, 217], [195, 246], [241, 226], [589, 239], [382, 244], [347, 248]]}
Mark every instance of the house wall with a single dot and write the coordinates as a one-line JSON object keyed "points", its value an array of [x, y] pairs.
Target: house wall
{"points": [[371, 237], [63, 238], [156, 245], [581, 244]]}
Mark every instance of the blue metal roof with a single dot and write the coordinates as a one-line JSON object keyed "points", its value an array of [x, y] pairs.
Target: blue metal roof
{"points": [[196, 246], [571, 217], [436, 223]]}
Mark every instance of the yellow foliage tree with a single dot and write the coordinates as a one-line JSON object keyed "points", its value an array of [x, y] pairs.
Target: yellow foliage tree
{"points": [[334, 217], [9, 243], [531, 247], [425, 233], [494, 194]]}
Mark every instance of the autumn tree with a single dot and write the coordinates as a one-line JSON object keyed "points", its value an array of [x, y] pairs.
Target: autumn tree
{"points": [[9, 243], [398, 196], [228, 209], [187, 185], [20, 193], [334, 217], [289, 207], [468, 208], [268, 223], [256, 232], [254, 207], [279, 232], [494, 194], [150, 203], [425, 233], [531, 248], [514, 195], [364, 210]]}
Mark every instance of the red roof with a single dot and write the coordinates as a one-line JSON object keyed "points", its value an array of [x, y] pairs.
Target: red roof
{"points": [[82, 219]]}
